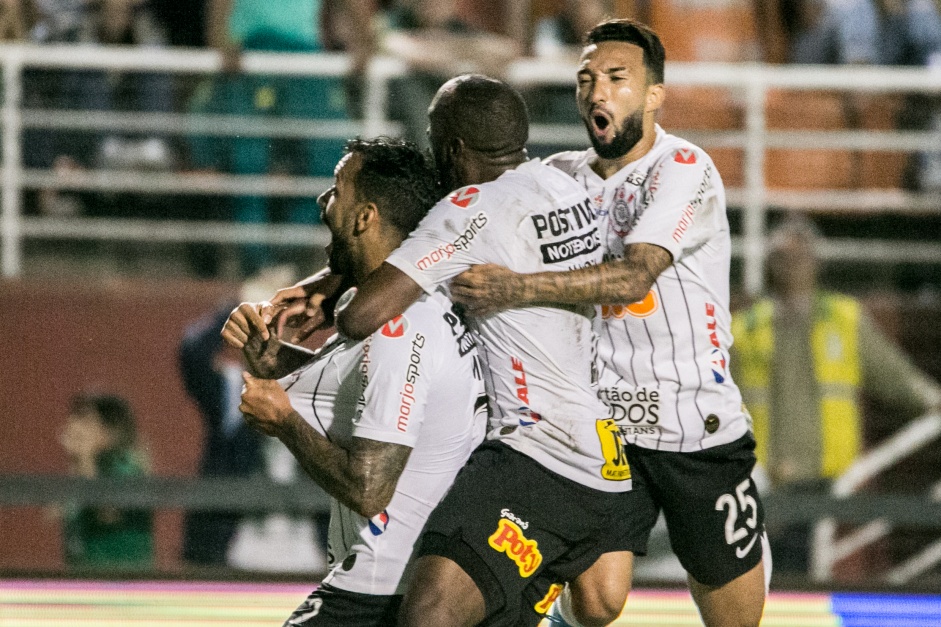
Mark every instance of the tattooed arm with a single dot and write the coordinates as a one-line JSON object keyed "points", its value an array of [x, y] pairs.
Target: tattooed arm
{"points": [[363, 478], [485, 289]]}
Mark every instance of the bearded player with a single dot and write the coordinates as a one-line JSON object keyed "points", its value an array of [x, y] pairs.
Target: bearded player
{"points": [[665, 330]]}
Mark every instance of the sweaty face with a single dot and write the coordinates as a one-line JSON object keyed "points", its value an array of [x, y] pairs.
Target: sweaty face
{"points": [[612, 90], [337, 206]]}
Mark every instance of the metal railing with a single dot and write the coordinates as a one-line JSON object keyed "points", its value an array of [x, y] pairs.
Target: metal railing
{"points": [[828, 550], [752, 82]]}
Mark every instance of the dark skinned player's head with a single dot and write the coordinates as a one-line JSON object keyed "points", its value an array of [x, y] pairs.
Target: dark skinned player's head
{"points": [[476, 122]]}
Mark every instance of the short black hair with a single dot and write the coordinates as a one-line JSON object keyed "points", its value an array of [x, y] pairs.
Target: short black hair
{"points": [[397, 177], [487, 114], [633, 32], [115, 414]]}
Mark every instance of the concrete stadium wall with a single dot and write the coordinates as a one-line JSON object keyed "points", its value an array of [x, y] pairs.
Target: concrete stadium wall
{"points": [[117, 336]]}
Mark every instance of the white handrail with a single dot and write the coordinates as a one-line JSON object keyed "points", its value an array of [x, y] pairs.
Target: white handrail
{"points": [[826, 549], [750, 84], [910, 438]]}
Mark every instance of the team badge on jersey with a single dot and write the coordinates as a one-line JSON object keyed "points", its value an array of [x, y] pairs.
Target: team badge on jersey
{"points": [[379, 523], [686, 156], [396, 327], [466, 197], [622, 212]]}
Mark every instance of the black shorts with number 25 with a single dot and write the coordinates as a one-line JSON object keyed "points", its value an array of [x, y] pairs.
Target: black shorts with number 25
{"points": [[712, 509]]}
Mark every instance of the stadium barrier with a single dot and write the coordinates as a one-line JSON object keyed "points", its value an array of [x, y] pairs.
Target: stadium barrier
{"points": [[751, 86]]}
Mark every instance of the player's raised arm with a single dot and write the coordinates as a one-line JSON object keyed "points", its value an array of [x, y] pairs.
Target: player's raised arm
{"points": [[385, 294], [488, 288], [363, 478]]}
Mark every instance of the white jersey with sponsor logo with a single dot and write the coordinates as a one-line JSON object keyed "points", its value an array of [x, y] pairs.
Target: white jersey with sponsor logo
{"points": [[416, 381], [664, 361], [538, 360]]}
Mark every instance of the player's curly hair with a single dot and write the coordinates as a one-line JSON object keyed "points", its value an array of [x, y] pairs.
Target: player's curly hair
{"points": [[633, 32], [396, 176]]}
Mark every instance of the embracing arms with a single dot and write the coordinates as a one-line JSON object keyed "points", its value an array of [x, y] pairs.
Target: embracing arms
{"points": [[385, 294], [488, 288]]}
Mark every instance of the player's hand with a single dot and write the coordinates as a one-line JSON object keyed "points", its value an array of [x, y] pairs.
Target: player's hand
{"points": [[245, 321], [265, 405], [486, 289], [305, 306]]}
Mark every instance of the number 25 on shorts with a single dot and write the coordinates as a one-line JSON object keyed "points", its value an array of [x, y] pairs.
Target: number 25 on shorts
{"points": [[615, 466]]}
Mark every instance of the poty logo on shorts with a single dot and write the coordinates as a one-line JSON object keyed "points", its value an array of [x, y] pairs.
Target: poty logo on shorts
{"points": [[465, 197], [509, 539], [505, 513], [554, 591], [396, 327], [379, 523]]}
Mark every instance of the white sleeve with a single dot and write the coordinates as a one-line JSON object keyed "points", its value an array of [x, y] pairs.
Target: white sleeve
{"points": [[459, 232], [397, 369], [682, 194]]}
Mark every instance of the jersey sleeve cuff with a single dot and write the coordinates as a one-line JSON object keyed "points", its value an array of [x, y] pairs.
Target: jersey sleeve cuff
{"points": [[413, 273], [384, 435]]}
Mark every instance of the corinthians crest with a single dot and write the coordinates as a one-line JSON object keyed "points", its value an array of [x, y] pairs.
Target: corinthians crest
{"points": [[631, 199], [623, 216]]}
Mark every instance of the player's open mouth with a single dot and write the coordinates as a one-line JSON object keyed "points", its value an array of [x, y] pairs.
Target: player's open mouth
{"points": [[600, 123]]}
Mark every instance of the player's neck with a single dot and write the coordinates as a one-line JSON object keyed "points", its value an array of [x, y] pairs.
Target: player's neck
{"points": [[606, 168], [372, 257], [486, 168]]}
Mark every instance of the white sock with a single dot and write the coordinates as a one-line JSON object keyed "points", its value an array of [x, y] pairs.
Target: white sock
{"points": [[561, 613]]}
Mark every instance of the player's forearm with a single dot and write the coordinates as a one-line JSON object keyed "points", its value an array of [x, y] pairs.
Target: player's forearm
{"points": [[614, 282], [356, 482], [278, 361], [386, 293]]}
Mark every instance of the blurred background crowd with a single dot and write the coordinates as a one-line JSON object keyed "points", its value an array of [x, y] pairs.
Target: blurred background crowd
{"points": [[114, 365]]}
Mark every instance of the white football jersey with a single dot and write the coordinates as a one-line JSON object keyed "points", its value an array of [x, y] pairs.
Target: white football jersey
{"points": [[538, 361], [416, 381], [664, 361]]}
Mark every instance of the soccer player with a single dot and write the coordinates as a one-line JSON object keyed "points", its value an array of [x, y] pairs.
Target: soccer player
{"points": [[540, 501], [665, 328], [382, 424]]}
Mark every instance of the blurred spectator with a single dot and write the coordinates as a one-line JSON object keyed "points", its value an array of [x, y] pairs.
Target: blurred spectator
{"points": [[100, 439], [185, 21], [803, 357], [212, 374], [913, 37], [109, 22], [237, 26], [437, 43], [832, 32], [14, 20], [558, 35]]}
